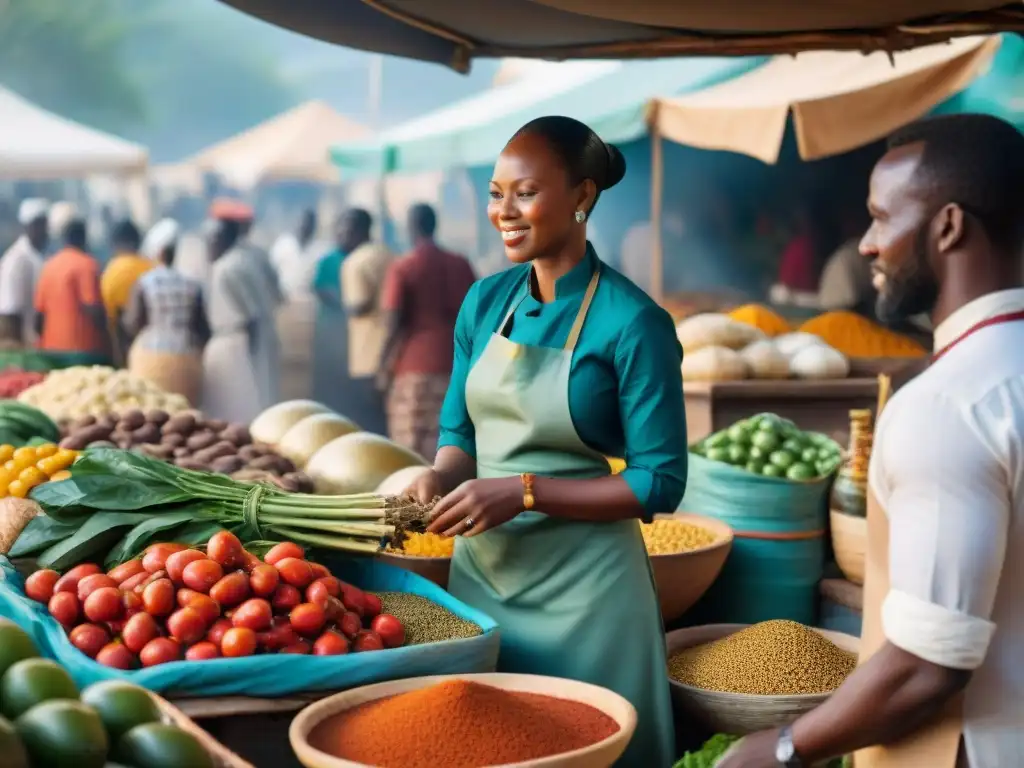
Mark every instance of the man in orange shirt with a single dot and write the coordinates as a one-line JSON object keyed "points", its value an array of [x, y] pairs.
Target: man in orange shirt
{"points": [[72, 319]]}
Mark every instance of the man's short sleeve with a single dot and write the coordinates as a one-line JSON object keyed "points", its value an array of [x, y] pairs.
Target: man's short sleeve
{"points": [[357, 288], [948, 504], [87, 283]]}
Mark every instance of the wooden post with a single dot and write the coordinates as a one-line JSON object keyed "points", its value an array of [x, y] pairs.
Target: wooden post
{"points": [[657, 286]]}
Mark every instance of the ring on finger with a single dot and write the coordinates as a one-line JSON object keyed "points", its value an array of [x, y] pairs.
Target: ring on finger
{"points": [[469, 523]]}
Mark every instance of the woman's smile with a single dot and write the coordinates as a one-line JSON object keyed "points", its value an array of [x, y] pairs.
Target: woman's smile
{"points": [[514, 236]]}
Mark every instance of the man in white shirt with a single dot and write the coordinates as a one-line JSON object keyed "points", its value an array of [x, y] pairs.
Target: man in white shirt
{"points": [[19, 273], [294, 256], [940, 682]]}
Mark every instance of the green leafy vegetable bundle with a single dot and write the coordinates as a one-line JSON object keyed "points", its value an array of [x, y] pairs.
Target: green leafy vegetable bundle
{"points": [[116, 503], [708, 755], [716, 747]]}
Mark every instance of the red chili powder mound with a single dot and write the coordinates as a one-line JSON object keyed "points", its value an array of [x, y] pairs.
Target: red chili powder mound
{"points": [[460, 724]]}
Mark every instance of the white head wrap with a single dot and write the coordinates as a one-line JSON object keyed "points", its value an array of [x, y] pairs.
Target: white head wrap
{"points": [[61, 214], [32, 209], [160, 236]]}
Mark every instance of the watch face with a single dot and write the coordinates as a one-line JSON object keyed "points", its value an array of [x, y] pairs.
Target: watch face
{"points": [[785, 752]]}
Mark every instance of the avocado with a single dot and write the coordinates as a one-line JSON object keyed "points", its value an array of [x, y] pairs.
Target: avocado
{"points": [[121, 706], [33, 681], [156, 745], [15, 645], [60, 734], [12, 751]]}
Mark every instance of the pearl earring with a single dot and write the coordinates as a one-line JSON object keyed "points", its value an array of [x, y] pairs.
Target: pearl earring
{"points": [[580, 217]]}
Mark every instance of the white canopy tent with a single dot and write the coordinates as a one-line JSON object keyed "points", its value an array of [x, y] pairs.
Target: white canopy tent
{"points": [[294, 146], [37, 144]]}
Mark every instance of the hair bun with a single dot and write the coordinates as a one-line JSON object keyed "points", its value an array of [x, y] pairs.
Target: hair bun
{"points": [[616, 167]]}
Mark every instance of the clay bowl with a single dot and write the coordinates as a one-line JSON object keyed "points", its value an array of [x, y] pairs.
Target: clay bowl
{"points": [[603, 754], [683, 578], [741, 713]]}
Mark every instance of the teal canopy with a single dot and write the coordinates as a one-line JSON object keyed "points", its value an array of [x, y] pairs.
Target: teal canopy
{"points": [[610, 97]]}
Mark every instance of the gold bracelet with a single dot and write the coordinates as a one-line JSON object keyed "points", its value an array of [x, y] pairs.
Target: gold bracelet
{"points": [[528, 499]]}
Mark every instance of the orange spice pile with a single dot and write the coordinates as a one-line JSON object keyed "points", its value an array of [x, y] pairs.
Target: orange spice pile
{"points": [[460, 724]]}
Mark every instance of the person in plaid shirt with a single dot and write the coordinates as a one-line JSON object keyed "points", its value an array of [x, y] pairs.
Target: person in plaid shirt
{"points": [[167, 320]]}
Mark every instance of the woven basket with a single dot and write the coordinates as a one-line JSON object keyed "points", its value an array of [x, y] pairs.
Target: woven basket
{"points": [[683, 578], [849, 541], [434, 569], [741, 713], [222, 756]]}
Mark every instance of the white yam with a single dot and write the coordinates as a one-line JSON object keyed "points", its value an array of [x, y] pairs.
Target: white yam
{"points": [[714, 364], [819, 361], [765, 361], [269, 427], [712, 329], [358, 463], [791, 343], [311, 434]]}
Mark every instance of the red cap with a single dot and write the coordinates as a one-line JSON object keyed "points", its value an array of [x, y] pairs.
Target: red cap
{"points": [[229, 209]]}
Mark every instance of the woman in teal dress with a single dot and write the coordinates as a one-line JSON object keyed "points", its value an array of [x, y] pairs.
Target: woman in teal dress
{"points": [[559, 362], [330, 335]]}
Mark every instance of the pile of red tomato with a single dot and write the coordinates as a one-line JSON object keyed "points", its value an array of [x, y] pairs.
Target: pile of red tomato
{"points": [[14, 381], [176, 602]]}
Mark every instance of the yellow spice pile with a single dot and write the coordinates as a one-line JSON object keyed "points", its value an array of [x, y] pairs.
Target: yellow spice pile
{"points": [[770, 658], [669, 537], [426, 545]]}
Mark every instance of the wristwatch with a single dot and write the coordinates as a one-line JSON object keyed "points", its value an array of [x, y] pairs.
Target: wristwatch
{"points": [[785, 752]]}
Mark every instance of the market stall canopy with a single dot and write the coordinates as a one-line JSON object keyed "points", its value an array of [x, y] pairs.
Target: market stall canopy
{"points": [[294, 146], [609, 96], [37, 144], [453, 32], [839, 100]]}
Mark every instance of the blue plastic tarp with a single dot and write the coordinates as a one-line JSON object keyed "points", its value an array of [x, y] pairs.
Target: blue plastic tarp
{"points": [[274, 675]]}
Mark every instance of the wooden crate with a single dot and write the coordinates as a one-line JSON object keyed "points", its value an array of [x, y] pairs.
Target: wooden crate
{"points": [[822, 406], [222, 756]]}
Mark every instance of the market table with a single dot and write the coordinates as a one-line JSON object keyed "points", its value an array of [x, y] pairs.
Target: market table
{"points": [[822, 406]]}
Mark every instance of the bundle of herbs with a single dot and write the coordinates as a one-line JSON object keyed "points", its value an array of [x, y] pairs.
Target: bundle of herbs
{"points": [[116, 503]]}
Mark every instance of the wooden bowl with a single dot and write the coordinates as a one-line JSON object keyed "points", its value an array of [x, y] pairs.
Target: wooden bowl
{"points": [[849, 541], [603, 754], [741, 713], [433, 568], [683, 578]]}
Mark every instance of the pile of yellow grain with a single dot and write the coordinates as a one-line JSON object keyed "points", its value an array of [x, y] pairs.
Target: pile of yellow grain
{"points": [[856, 336], [772, 658], [670, 537]]}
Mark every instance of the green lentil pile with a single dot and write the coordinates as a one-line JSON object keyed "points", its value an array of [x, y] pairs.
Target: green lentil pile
{"points": [[426, 621], [773, 658]]}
